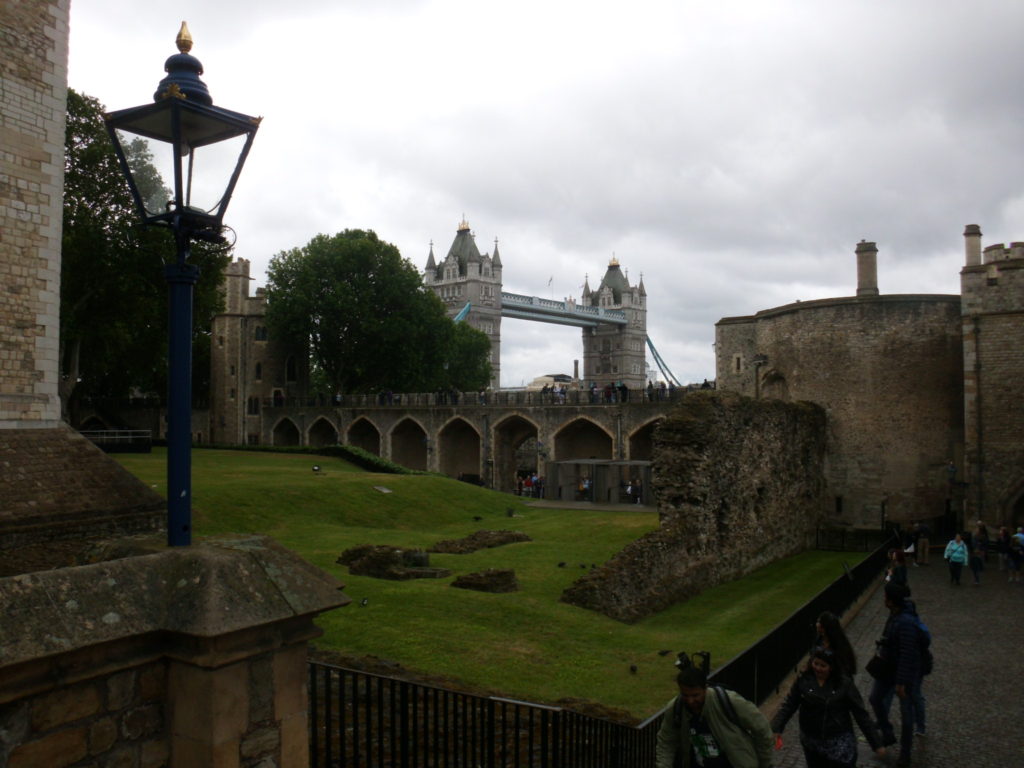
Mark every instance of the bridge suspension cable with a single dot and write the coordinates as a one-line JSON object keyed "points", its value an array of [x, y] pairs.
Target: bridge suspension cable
{"points": [[669, 377], [462, 314]]}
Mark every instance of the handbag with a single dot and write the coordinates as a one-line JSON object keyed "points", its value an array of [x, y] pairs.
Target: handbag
{"points": [[880, 669]]}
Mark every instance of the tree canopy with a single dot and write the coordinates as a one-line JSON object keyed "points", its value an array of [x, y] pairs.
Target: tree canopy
{"points": [[370, 323], [113, 295]]}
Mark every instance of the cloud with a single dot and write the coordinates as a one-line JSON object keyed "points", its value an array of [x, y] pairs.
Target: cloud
{"points": [[734, 153]]}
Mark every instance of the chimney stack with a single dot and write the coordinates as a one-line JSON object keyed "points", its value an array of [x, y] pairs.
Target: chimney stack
{"points": [[972, 245], [867, 269]]}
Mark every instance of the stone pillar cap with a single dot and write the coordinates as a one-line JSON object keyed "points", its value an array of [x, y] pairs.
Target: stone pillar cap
{"points": [[216, 587]]}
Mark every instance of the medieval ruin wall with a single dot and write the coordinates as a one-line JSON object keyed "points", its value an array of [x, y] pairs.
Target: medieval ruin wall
{"points": [[888, 372], [739, 485]]}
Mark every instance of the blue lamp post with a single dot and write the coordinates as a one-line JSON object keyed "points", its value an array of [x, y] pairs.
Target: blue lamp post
{"points": [[180, 124]]}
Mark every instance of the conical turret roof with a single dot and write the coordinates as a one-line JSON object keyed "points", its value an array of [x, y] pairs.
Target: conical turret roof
{"points": [[464, 247], [615, 280]]}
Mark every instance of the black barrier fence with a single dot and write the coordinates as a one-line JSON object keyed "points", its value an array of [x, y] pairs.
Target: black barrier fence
{"points": [[367, 720], [758, 671], [360, 719]]}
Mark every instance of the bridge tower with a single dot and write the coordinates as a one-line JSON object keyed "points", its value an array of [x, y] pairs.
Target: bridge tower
{"points": [[615, 353], [465, 276]]}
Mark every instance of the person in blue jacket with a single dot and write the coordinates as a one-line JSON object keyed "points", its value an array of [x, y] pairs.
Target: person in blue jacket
{"points": [[956, 556], [900, 650]]}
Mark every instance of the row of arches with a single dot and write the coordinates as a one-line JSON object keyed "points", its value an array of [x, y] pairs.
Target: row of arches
{"points": [[460, 447]]}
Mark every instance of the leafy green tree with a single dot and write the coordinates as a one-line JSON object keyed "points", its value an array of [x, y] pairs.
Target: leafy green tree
{"points": [[368, 320], [113, 294]]}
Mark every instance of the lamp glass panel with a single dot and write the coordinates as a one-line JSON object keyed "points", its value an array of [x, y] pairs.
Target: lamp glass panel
{"points": [[152, 167], [205, 172]]}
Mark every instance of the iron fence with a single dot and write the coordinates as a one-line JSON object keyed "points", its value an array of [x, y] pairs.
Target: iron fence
{"points": [[758, 672], [363, 720]]}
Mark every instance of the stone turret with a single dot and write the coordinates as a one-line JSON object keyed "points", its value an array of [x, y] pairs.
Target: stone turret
{"points": [[614, 354], [465, 276]]}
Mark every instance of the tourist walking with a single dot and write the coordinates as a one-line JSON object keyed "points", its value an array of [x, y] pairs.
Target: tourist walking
{"points": [[956, 556], [709, 727], [896, 573], [896, 669], [921, 544], [979, 548], [1016, 554], [828, 702], [830, 635], [1003, 548]]}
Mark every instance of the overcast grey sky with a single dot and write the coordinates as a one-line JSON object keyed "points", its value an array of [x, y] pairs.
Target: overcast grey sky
{"points": [[731, 151]]}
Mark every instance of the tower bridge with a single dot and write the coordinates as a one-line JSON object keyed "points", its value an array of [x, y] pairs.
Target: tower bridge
{"points": [[489, 437], [613, 317], [567, 312]]}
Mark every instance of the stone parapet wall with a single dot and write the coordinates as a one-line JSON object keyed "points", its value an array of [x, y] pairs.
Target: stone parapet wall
{"points": [[33, 72], [739, 485], [114, 719], [190, 657], [55, 484]]}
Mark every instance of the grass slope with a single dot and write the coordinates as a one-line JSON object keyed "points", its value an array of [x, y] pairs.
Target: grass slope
{"points": [[525, 644]]}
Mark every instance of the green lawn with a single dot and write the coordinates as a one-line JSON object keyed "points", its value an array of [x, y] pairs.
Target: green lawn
{"points": [[525, 644]]}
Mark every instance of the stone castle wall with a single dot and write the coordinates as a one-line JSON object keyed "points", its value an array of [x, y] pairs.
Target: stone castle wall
{"points": [[739, 486], [33, 81], [993, 334], [247, 367], [888, 372], [56, 485], [114, 719]]}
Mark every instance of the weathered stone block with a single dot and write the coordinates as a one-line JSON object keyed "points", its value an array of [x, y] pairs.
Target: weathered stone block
{"points": [[120, 690], [102, 735], [56, 750], [64, 706], [154, 754], [260, 743]]}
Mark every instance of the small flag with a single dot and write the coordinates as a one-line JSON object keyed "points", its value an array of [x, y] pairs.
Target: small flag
{"points": [[549, 280]]}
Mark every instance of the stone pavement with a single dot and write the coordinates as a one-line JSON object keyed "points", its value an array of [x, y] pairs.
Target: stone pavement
{"points": [[975, 696]]}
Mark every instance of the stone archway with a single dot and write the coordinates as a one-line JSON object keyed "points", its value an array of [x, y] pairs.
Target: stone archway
{"points": [[409, 444], [509, 435], [285, 433], [774, 386], [641, 442], [583, 439], [363, 434], [458, 445], [322, 433]]}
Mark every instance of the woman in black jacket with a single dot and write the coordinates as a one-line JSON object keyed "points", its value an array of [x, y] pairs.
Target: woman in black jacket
{"points": [[828, 702]]}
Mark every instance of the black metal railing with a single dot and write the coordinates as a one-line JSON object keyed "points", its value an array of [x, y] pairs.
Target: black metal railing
{"points": [[359, 719], [758, 672], [367, 720], [121, 440], [503, 397]]}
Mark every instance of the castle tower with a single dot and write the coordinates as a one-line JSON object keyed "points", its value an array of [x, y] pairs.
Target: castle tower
{"points": [[247, 368], [992, 301], [467, 277], [615, 353]]}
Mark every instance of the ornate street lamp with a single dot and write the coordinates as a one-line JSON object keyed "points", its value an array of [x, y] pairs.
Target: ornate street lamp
{"points": [[179, 123]]}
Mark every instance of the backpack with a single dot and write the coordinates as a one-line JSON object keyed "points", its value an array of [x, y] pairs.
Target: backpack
{"points": [[677, 718], [723, 700], [924, 641]]}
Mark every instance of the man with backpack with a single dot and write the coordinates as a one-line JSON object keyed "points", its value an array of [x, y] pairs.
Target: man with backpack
{"points": [[898, 668], [711, 727]]}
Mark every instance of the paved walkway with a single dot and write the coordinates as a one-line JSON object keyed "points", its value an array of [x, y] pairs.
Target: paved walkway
{"points": [[975, 696]]}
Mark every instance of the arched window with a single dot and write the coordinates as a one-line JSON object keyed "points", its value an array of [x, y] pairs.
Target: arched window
{"points": [[259, 372]]}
